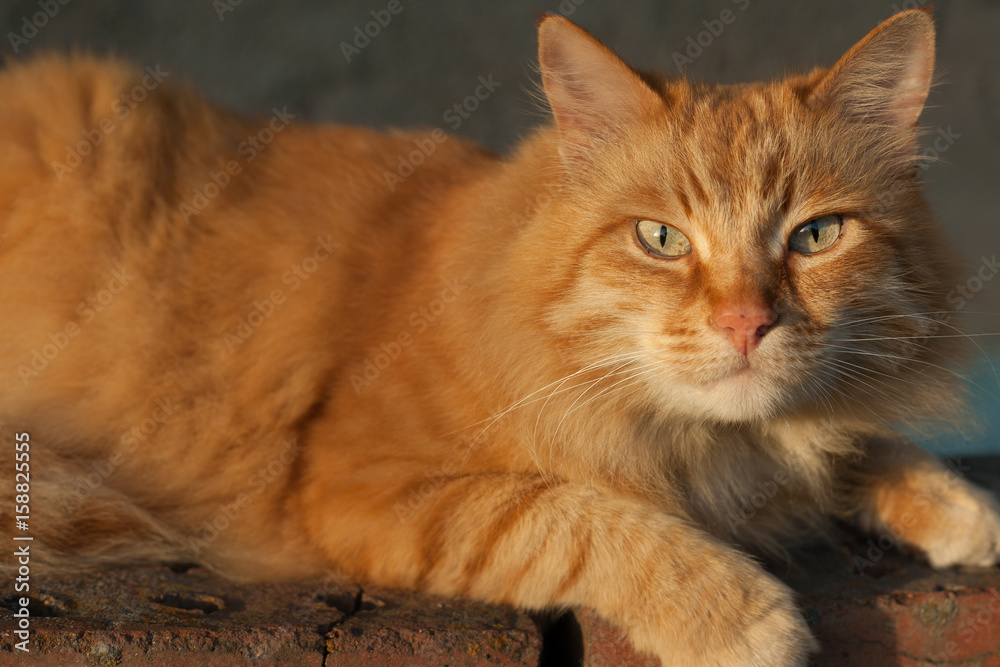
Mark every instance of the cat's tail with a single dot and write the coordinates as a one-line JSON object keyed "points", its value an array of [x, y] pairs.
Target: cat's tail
{"points": [[71, 526]]}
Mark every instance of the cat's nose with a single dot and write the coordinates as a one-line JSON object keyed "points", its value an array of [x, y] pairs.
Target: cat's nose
{"points": [[744, 324]]}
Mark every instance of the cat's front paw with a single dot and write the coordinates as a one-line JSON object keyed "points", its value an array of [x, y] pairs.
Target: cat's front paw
{"points": [[764, 629], [942, 516], [727, 612], [964, 528], [779, 635]]}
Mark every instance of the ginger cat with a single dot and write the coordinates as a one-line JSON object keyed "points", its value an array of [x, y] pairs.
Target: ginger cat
{"points": [[551, 379]]}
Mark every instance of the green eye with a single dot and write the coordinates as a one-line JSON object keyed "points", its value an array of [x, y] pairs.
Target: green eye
{"points": [[661, 240], [816, 235]]}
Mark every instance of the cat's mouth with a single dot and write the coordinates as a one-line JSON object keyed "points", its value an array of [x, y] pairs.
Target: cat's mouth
{"points": [[742, 392], [743, 371]]}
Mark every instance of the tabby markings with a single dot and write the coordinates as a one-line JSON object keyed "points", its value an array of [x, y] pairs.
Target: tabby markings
{"points": [[249, 148], [434, 479], [122, 106]]}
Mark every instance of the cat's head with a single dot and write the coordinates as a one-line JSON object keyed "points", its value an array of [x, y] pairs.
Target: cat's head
{"points": [[745, 251]]}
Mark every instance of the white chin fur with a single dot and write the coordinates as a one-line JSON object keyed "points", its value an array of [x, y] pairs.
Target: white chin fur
{"points": [[744, 397]]}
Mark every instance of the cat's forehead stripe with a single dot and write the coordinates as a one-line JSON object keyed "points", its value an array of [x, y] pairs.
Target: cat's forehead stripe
{"points": [[695, 184], [685, 202]]}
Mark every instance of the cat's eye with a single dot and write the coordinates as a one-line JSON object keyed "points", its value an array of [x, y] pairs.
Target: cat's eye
{"points": [[661, 240], [816, 235]]}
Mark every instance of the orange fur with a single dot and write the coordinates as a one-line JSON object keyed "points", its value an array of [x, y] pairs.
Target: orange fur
{"points": [[419, 383]]}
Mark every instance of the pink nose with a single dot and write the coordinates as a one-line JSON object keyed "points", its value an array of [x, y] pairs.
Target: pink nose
{"points": [[744, 324]]}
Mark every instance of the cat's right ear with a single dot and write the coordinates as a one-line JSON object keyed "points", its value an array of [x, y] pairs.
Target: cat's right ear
{"points": [[593, 94]]}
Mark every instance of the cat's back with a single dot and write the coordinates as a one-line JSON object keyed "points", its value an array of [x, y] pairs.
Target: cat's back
{"points": [[101, 161], [83, 119], [145, 230]]}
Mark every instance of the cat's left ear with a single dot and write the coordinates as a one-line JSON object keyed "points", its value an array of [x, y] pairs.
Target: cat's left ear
{"points": [[886, 76], [592, 92]]}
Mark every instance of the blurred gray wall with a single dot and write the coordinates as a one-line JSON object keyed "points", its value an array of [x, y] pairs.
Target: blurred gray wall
{"points": [[253, 55]]}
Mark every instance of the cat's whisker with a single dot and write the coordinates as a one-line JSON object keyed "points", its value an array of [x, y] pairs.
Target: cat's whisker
{"points": [[924, 337], [641, 373], [856, 374], [630, 403], [590, 384], [904, 361], [638, 372], [964, 375], [839, 391], [881, 318], [524, 400], [851, 374], [827, 389], [978, 346], [827, 393], [872, 371], [959, 334], [538, 399], [633, 371], [968, 372]]}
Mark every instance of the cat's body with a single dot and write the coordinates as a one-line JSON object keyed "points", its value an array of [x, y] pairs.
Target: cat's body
{"points": [[474, 379]]}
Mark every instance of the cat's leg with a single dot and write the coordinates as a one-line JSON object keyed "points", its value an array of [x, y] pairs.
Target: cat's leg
{"points": [[535, 543], [909, 494]]}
